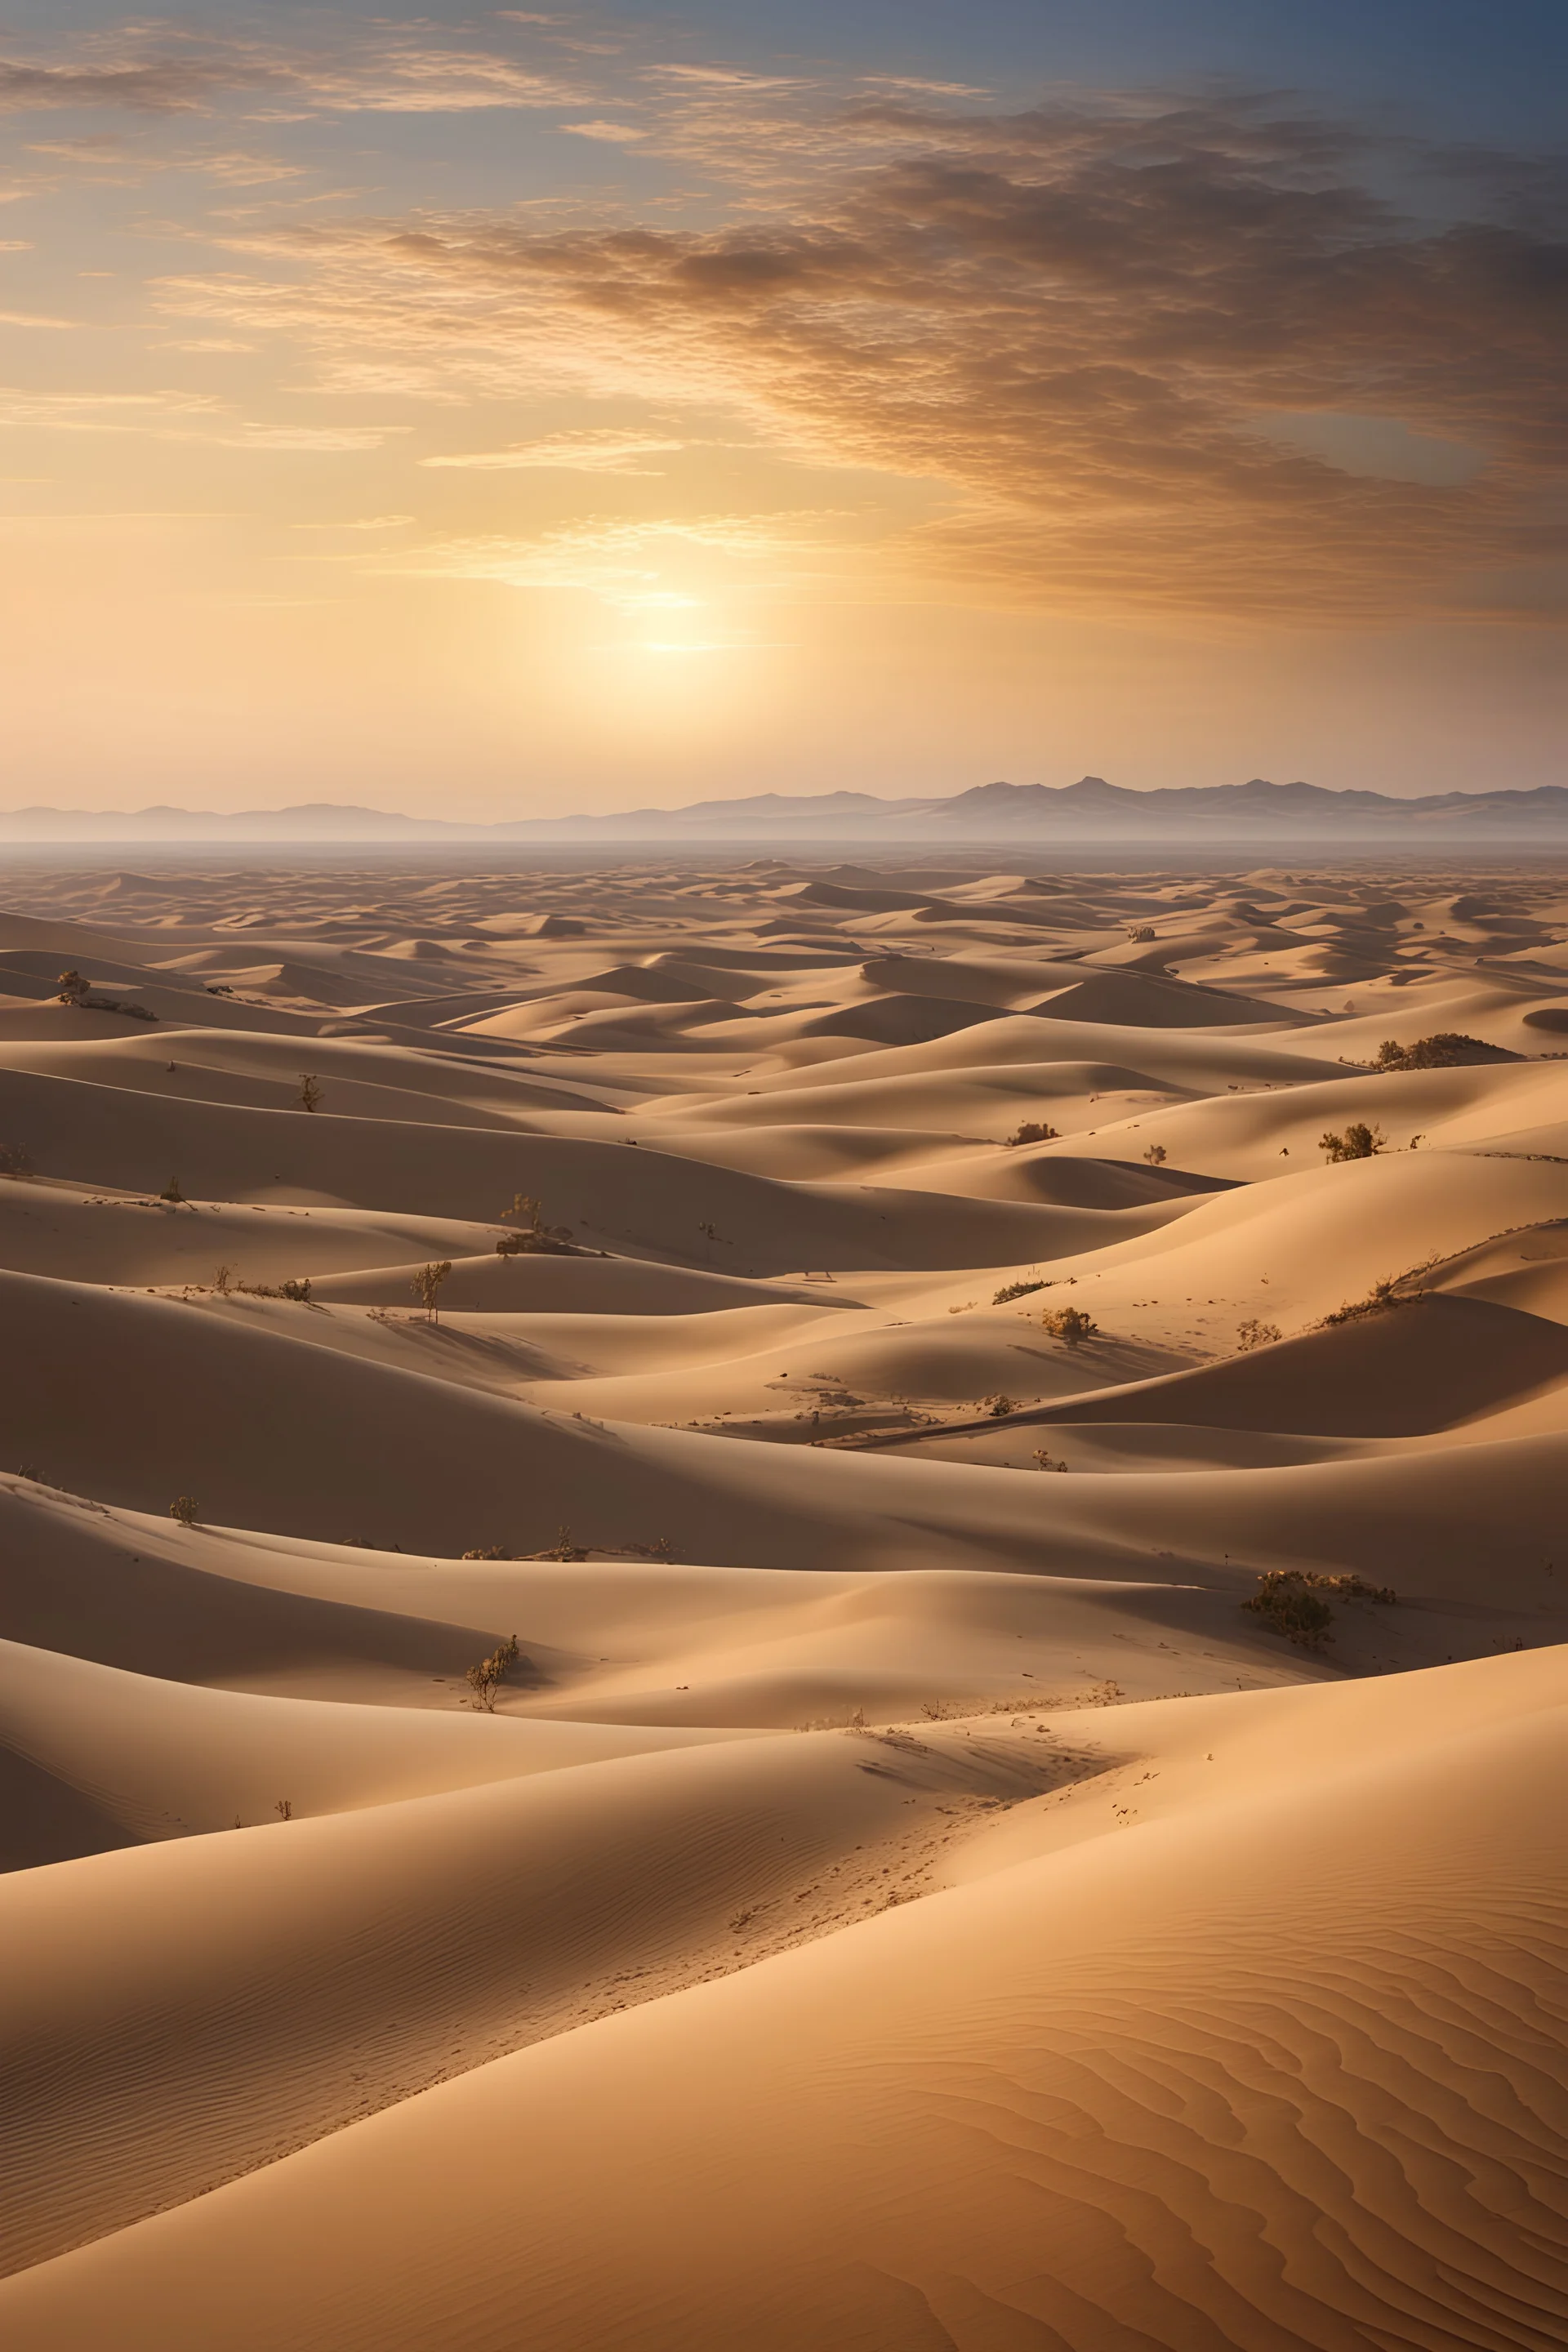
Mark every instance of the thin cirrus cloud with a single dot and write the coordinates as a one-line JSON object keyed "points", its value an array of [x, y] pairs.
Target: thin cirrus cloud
{"points": [[592, 450], [1074, 323]]}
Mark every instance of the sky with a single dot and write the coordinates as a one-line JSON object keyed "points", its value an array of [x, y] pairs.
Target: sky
{"points": [[496, 413]]}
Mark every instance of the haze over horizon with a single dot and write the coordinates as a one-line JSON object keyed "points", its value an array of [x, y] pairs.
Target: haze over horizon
{"points": [[488, 415]]}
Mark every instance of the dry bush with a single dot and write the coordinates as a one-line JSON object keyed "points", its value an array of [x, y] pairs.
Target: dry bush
{"points": [[1156, 1155], [488, 1551], [1290, 1600], [284, 1810], [173, 1193], [223, 1281], [1359, 1142], [485, 1678], [427, 1287], [1069, 1323], [1012, 1290], [1031, 1131], [534, 1237], [73, 988], [309, 1094], [999, 1407], [1142, 935], [1445, 1049], [1254, 1334], [1044, 1461], [183, 1508]]}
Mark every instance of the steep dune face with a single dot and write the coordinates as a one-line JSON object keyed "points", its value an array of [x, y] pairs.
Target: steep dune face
{"points": [[570, 1771]]}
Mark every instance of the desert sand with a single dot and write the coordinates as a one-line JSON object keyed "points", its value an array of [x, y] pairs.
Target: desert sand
{"points": [[774, 1310]]}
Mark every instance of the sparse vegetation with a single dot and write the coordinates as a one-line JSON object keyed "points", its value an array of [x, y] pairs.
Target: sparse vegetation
{"points": [[299, 1292], [1044, 1461], [1445, 1049], [223, 1281], [1142, 935], [1389, 1290], [1030, 1130], [309, 1094], [485, 1679], [999, 1407], [73, 988], [1069, 1323], [173, 1194], [1156, 1155], [183, 1508], [1254, 1334], [1012, 1290], [534, 1237], [1359, 1142], [427, 1287], [284, 1810], [1290, 1600], [488, 1551]]}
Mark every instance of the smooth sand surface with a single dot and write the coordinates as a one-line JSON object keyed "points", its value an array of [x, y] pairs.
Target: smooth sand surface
{"points": [[899, 1893]]}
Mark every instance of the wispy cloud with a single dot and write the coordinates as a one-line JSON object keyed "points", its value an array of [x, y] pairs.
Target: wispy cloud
{"points": [[594, 449], [1075, 322]]}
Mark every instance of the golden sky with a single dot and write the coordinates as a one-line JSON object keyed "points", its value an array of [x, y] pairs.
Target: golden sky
{"points": [[505, 413]]}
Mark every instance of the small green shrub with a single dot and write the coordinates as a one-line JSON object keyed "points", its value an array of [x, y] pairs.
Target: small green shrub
{"points": [[1290, 1600]]}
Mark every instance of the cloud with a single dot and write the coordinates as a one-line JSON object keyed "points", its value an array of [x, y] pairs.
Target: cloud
{"points": [[1075, 322], [603, 449], [663, 564]]}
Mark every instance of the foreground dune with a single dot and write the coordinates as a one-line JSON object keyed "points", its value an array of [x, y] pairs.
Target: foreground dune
{"points": [[603, 1794]]}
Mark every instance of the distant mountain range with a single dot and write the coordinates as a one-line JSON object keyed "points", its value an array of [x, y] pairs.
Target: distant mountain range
{"points": [[1089, 811]]}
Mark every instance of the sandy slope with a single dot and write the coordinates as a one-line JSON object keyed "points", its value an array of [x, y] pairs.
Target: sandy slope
{"points": [[899, 1898]]}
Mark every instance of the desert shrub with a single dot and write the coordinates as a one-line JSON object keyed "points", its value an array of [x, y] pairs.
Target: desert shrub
{"points": [[1445, 1049], [1286, 1603], [223, 1281], [562, 1548], [219, 988], [1156, 1155], [183, 1508], [1012, 1290], [1069, 1323], [1388, 1291], [485, 1678], [73, 988], [173, 1193], [1142, 935], [284, 1810], [1290, 1600], [999, 1407], [1254, 1334], [534, 1236], [1030, 1130], [1044, 1461], [309, 1094], [1359, 1142], [14, 1161], [299, 1292], [427, 1287], [486, 1552]]}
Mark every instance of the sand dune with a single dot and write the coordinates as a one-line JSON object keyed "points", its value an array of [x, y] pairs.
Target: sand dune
{"points": [[892, 1895]]}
